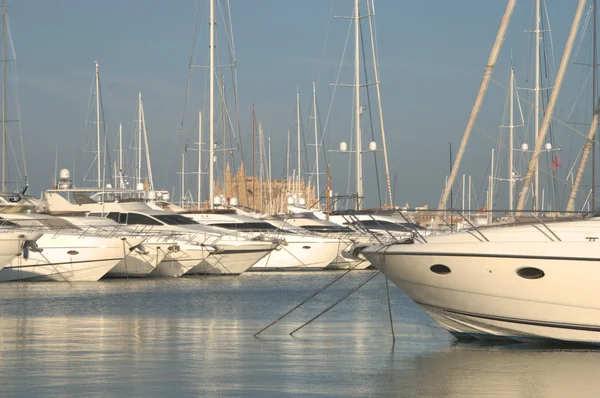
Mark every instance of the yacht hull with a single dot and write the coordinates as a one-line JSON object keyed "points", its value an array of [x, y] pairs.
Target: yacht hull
{"points": [[232, 260], [484, 297], [301, 255], [178, 263], [66, 259], [139, 263]]}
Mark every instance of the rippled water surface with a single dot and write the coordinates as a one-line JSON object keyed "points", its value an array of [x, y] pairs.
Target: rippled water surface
{"points": [[194, 337]]}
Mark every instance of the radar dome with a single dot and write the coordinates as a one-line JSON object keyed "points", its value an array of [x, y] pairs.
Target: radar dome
{"points": [[64, 174]]}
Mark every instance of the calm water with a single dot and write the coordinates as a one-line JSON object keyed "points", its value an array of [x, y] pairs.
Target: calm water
{"points": [[194, 337]]}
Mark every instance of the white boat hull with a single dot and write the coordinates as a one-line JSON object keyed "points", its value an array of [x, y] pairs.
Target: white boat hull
{"points": [[178, 263], [138, 263], [66, 258], [300, 255], [232, 260], [483, 297]]}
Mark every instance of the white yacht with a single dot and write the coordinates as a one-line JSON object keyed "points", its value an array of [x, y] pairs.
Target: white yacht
{"points": [[299, 249], [64, 252], [199, 249], [348, 257], [518, 282], [140, 260], [15, 242]]}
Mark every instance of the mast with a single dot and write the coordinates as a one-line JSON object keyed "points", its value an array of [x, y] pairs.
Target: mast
{"points": [[199, 156], [511, 127], [328, 193], [182, 178], [97, 120], [253, 157], [147, 149], [594, 99], [260, 167], [491, 206], [121, 183], [551, 104], [270, 179], [139, 148], [287, 158], [357, 112], [536, 91], [299, 148], [211, 117], [316, 140], [371, 11], [510, 6], [4, 138]]}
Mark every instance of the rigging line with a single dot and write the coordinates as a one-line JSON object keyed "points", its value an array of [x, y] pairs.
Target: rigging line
{"points": [[337, 302], [387, 290], [190, 64], [362, 44], [335, 86], [16, 98], [583, 30], [337, 278], [87, 133], [233, 69], [324, 49], [554, 119], [188, 83]]}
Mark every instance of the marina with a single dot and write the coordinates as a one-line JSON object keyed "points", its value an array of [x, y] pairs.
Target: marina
{"points": [[232, 236]]}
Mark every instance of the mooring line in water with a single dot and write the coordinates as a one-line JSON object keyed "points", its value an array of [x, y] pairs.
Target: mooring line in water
{"points": [[337, 302], [308, 298], [387, 289]]}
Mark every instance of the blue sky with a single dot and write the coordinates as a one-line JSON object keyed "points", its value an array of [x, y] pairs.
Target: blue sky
{"points": [[431, 53]]}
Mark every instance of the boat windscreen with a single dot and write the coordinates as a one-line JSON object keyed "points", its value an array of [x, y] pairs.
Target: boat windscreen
{"points": [[174, 219]]}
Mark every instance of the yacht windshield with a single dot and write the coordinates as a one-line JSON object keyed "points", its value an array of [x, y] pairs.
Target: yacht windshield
{"points": [[387, 225], [327, 228], [258, 226], [174, 219]]}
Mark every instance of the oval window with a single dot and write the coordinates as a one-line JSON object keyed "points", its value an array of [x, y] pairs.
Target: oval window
{"points": [[440, 269], [306, 247], [72, 252], [530, 273]]}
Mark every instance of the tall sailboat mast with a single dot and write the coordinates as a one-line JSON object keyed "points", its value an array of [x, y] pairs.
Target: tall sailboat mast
{"points": [[511, 129], [316, 140], [211, 117], [371, 12], [594, 99], [139, 148], [199, 157], [97, 125], [4, 138], [299, 147], [359, 186], [121, 183], [536, 89]]}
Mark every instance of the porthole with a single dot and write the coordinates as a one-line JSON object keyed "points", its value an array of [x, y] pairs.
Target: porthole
{"points": [[72, 252], [440, 269], [530, 273]]}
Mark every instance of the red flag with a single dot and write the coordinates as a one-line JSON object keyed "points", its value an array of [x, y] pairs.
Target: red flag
{"points": [[556, 163]]}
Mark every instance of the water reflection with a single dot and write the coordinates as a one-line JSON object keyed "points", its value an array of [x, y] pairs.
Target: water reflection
{"points": [[475, 370], [194, 337]]}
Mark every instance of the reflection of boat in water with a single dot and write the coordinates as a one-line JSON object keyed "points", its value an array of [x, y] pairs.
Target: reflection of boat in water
{"points": [[464, 370]]}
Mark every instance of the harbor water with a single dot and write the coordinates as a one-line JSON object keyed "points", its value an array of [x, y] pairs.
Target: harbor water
{"points": [[195, 337]]}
